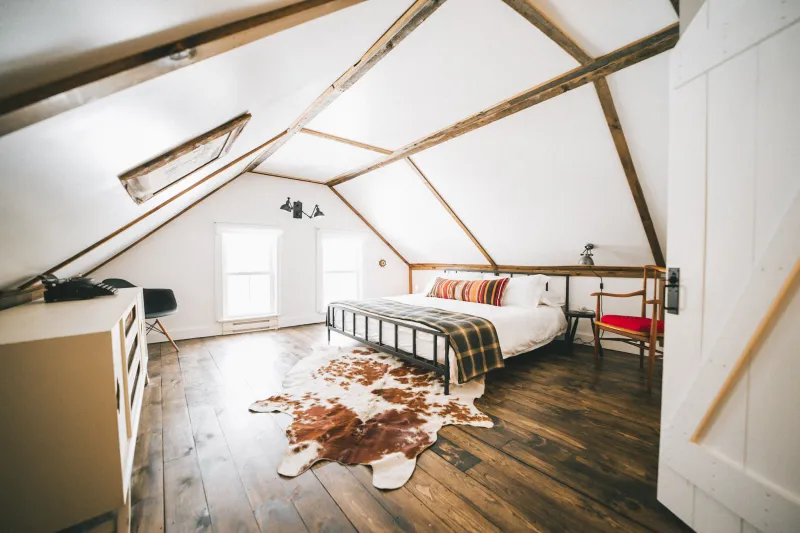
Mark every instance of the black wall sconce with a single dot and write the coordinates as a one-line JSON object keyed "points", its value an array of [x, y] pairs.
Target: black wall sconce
{"points": [[296, 209]]}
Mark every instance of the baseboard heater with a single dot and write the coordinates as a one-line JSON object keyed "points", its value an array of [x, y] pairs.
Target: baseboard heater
{"points": [[249, 324]]}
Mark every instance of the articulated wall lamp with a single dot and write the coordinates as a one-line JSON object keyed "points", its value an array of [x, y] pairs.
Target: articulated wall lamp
{"points": [[296, 209], [586, 255]]}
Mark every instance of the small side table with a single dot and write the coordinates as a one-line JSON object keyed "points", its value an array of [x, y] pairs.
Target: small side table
{"points": [[573, 317]]}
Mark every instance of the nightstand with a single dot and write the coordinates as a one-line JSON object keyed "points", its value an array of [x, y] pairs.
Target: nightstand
{"points": [[573, 317]]}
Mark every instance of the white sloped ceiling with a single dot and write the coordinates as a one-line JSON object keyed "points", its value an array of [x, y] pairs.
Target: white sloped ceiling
{"points": [[45, 40], [537, 185], [60, 188], [532, 187], [401, 208], [310, 157], [470, 54], [602, 26]]}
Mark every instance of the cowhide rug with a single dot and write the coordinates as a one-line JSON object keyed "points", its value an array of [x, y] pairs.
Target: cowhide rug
{"points": [[357, 406]]}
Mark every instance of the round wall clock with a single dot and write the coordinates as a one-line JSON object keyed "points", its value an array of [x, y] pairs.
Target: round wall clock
{"points": [[382, 263]]}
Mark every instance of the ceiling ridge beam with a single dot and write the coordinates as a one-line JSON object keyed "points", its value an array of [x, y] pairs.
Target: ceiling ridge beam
{"points": [[449, 209], [550, 29], [370, 226], [140, 218], [619, 59], [572, 270], [285, 177], [39, 103], [343, 140], [626, 159], [402, 27]]}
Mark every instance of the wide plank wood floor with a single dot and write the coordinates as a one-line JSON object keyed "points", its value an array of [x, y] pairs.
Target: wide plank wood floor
{"points": [[573, 449]]}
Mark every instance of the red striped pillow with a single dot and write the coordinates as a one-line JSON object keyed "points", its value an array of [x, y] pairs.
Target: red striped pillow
{"points": [[478, 291]]}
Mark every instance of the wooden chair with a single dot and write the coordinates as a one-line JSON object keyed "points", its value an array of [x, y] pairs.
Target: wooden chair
{"points": [[640, 330]]}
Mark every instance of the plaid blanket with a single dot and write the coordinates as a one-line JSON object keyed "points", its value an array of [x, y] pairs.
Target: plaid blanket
{"points": [[472, 338]]}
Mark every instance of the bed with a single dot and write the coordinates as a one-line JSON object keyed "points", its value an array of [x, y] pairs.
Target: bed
{"points": [[519, 329]]}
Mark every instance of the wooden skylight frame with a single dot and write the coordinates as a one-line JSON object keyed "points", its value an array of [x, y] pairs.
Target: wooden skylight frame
{"points": [[155, 176]]}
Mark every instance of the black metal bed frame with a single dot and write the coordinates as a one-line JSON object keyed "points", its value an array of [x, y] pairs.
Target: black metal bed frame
{"points": [[443, 369]]}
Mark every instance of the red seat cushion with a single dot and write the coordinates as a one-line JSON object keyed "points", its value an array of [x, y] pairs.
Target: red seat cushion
{"points": [[635, 323]]}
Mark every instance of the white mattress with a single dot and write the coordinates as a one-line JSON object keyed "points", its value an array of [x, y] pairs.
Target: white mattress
{"points": [[519, 330]]}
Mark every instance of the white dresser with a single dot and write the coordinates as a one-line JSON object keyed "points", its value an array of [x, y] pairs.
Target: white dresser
{"points": [[72, 376]]}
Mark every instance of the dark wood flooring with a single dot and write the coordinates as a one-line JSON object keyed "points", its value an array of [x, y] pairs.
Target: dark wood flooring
{"points": [[573, 449]]}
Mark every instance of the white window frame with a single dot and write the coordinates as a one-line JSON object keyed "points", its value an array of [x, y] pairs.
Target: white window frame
{"points": [[321, 234], [222, 276]]}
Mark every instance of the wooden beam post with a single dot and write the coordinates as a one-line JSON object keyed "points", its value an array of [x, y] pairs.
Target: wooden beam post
{"points": [[624, 57], [449, 209], [34, 105], [408, 22], [285, 177], [342, 140], [370, 226], [612, 118], [543, 24]]}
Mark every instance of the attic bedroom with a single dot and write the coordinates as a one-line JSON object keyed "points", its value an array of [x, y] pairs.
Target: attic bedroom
{"points": [[400, 265]]}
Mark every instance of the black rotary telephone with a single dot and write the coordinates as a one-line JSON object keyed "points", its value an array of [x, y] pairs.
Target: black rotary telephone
{"points": [[61, 290]]}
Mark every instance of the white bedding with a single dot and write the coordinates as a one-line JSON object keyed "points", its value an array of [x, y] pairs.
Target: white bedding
{"points": [[519, 330]]}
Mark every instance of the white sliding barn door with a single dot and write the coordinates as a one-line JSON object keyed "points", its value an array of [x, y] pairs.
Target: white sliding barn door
{"points": [[732, 355]]}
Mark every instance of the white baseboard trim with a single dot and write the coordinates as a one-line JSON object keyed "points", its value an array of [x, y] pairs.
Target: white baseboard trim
{"points": [[215, 329], [288, 322], [185, 333]]}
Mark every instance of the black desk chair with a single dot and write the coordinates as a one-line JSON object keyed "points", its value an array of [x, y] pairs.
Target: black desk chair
{"points": [[157, 303]]}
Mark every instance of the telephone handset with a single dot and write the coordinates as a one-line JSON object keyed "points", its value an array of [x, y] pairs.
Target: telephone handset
{"points": [[60, 290]]}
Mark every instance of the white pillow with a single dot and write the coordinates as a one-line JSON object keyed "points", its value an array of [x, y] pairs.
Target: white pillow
{"points": [[525, 291], [552, 300]]}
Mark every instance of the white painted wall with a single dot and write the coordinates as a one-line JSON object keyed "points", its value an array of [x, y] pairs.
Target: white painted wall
{"points": [[181, 255], [734, 217]]}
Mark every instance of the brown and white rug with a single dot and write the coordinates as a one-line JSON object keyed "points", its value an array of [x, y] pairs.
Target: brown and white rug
{"points": [[357, 406]]}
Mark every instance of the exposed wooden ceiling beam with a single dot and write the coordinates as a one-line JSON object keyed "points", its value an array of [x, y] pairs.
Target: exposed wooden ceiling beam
{"points": [[449, 209], [34, 105], [538, 19], [342, 140], [572, 270], [403, 26], [370, 226], [285, 177], [619, 59], [157, 208], [612, 118]]}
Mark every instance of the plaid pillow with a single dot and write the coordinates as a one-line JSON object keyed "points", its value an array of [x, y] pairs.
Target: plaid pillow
{"points": [[478, 291]]}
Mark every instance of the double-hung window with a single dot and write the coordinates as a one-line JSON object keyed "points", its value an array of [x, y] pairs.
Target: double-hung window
{"points": [[340, 258], [247, 265]]}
